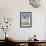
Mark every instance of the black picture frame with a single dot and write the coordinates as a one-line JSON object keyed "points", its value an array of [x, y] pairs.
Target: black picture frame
{"points": [[26, 19]]}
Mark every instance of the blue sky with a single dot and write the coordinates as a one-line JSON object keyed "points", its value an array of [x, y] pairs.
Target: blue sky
{"points": [[25, 15]]}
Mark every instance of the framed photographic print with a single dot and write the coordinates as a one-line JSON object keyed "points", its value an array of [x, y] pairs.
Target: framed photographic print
{"points": [[25, 19]]}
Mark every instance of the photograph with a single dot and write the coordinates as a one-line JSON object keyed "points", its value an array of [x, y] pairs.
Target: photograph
{"points": [[25, 19]]}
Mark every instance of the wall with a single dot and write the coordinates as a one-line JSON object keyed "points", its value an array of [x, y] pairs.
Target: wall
{"points": [[45, 28], [12, 8]]}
